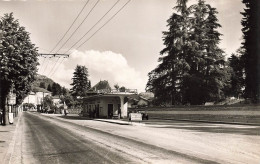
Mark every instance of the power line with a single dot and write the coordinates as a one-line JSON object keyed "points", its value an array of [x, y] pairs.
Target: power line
{"points": [[70, 26], [57, 67], [78, 26], [67, 33], [54, 66], [93, 26], [89, 30], [104, 24], [46, 65], [42, 65], [95, 32]]}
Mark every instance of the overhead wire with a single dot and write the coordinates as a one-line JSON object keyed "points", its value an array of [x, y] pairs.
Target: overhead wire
{"points": [[90, 30], [104, 24], [67, 33], [57, 67], [93, 26], [95, 32], [42, 65], [78, 26], [70, 26]]}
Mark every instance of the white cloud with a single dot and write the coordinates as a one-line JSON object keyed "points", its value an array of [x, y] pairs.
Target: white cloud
{"points": [[105, 65]]}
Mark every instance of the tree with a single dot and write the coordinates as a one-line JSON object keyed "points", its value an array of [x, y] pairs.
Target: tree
{"points": [[251, 45], [166, 80], [49, 88], [80, 83], [208, 73], [56, 89], [68, 99], [64, 91], [237, 79], [42, 85], [122, 89], [47, 103], [18, 60], [116, 86], [192, 66]]}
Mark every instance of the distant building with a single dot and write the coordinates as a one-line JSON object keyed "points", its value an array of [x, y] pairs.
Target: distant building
{"points": [[104, 102], [36, 97]]}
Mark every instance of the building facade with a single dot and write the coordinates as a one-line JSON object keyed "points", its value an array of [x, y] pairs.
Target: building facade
{"points": [[104, 102]]}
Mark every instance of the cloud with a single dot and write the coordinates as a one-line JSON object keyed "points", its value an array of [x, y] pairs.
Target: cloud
{"points": [[105, 65]]}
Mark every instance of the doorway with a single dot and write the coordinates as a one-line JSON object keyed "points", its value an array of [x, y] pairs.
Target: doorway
{"points": [[97, 110], [110, 110]]}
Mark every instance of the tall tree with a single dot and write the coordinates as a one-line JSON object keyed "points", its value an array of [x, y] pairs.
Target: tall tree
{"points": [[208, 73], [251, 44], [80, 83], [191, 63], [18, 60]]}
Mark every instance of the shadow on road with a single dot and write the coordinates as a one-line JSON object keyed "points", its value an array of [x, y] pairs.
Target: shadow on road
{"points": [[75, 117]]}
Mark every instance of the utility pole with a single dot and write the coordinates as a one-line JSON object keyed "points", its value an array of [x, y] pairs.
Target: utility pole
{"points": [[53, 55]]}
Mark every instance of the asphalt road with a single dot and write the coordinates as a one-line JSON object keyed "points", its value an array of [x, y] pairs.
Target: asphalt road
{"points": [[45, 142], [42, 139]]}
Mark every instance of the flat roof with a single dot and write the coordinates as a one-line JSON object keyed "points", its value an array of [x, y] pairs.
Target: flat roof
{"points": [[111, 95]]}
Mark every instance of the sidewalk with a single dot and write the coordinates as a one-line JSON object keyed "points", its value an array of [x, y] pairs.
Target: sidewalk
{"points": [[6, 136]]}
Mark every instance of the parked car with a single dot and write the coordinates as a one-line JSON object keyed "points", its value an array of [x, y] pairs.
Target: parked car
{"points": [[144, 115]]}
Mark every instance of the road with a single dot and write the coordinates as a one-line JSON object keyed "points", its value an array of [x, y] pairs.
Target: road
{"points": [[52, 139]]}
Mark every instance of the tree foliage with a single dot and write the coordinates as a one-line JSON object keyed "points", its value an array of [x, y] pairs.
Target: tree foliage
{"points": [[191, 67], [42, 85], [48, 102], [237, 81], [56, 89], [18, 59], [49, 88], [251, 45], [81, 83]]}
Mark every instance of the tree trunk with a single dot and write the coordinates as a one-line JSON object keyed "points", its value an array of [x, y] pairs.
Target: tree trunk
{"points": [[4, 89]]}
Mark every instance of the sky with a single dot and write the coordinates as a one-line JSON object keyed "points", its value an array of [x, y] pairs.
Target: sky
{"points": [[124, 50]]}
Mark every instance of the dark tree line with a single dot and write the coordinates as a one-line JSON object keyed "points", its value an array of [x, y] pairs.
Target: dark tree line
{"points": [[192, 68], [55, 88]]}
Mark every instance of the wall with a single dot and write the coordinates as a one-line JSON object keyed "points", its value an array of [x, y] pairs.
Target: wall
{"points": [[30, 99], [89, 105]]}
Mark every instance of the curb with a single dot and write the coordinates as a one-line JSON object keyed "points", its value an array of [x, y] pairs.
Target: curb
{"points": [[121, 122]]}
